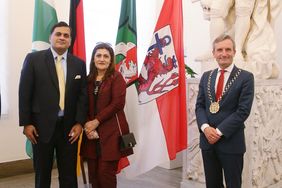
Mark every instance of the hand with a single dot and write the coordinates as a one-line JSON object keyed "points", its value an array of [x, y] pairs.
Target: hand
{"points": [[75, 133], [92, 135], [211, 135], [91, 126], [31, 133]]}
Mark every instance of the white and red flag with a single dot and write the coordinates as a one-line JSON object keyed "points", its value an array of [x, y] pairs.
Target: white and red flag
{"points": [[156, 111]]}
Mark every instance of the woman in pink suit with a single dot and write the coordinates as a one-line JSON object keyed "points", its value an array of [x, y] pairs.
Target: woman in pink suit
{"points": [[100, 144]]}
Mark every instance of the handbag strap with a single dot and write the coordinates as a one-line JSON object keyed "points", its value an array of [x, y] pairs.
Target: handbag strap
{"points": [[118, 125]]}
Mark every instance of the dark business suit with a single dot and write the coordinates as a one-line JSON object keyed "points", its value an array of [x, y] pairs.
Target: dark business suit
{"points": [[39, 106], [235, 108]]}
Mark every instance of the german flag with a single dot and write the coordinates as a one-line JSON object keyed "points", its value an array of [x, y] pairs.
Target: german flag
{"points": [[77, 48], [76, 23]]}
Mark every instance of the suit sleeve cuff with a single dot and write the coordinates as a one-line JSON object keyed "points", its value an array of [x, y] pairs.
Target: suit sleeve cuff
{"points": [[218, 132], [205, 125]]}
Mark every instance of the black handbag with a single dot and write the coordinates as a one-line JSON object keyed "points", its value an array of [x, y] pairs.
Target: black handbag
{"points": [[126, 141]]}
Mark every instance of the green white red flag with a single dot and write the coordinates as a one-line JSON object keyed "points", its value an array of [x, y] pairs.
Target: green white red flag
{"points": [[126, 42], [126, 50]]}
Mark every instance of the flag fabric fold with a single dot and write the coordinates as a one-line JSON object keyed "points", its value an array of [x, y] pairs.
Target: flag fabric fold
{"points": [[156, 111], [45, 17], [77, 48], [126, 51]]}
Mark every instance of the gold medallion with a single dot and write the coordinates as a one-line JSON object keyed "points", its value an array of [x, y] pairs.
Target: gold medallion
{"points": [[214, 107]]}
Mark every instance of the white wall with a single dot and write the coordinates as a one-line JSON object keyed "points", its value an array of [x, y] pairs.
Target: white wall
{"points": [[18, 17], [3, 39], [16, 22]]}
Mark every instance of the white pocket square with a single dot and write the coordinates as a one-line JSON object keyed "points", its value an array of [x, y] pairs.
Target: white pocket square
{"points": [[77, 77]]}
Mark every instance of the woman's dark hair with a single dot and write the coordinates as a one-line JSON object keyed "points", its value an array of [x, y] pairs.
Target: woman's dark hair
{"points": [[93, 70]]}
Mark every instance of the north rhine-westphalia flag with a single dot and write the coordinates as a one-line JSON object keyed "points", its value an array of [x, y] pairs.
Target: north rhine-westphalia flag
{"points": [[45, 17], [126, 42], [126, 50], [160, 121], [77, 48]]}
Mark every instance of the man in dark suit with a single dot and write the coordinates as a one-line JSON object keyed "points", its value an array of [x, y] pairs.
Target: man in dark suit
{"points": [[53, 107], [223, 104]]}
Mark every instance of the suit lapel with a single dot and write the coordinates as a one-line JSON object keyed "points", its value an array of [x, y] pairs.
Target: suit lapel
{"points": [[213, 79], [232, 75], [70, 72], [51, 68]]}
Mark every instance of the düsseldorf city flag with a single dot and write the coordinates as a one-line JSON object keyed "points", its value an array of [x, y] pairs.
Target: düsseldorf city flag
{"points": [[45, 17], [158, 117], [126, 51], [77, 48]]}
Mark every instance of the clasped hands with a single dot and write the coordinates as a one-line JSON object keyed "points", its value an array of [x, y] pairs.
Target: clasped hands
{"points": [[90, 129], [212, 135]]}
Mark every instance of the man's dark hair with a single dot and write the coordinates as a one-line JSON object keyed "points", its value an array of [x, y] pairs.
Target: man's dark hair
{"points": [[59, 24]]}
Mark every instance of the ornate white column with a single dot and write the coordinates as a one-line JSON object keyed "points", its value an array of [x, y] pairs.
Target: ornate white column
{"points": [[263, 159]]}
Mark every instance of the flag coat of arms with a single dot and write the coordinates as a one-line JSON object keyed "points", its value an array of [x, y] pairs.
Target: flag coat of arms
{"points": [[156, 109], [126, 42]]}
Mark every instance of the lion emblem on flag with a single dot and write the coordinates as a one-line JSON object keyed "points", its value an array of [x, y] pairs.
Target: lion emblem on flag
{"points": [[160, 71]]}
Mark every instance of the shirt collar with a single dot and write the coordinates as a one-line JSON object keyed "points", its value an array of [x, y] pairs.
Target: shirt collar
{"points": [[228, 69], [55, 54]]}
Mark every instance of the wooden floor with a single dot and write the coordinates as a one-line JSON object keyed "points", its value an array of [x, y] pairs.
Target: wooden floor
{"points": [[156, 178]]}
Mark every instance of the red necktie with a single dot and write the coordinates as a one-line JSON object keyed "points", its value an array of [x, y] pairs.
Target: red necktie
{"points": [[220, 82]]}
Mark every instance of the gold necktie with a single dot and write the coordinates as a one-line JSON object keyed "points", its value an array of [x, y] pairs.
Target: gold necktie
{"points": [[61, 79]]}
